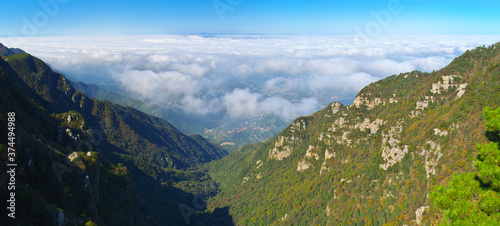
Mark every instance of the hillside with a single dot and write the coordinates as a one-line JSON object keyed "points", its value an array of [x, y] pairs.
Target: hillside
{"points": [[372, 162], [81, 159]]}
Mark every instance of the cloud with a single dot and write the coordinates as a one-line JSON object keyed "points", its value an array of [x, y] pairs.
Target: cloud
{"points": [[199, 106], [241, 103], [245, 75], [163, 87], [244, 103]]}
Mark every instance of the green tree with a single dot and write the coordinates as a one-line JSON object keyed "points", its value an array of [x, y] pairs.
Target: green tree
{"points": [[475, 197]]}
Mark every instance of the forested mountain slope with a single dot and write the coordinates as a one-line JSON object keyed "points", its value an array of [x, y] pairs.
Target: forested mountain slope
{"points": [[372, 162], [81, 159]]}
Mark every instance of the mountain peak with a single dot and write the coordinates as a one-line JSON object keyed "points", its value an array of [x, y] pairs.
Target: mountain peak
{"points": [[5, 52]]}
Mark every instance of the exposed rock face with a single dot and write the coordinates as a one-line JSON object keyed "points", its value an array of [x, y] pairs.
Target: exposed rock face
{"points": [[283, 147], [419, 214], [461, 90], [328, 211], [392, 153], [303, 165], [73, 157], [284, 217], [323, 168], [432, 157], [329, 155], [359, 100], [414, 114], [421, 105], [339, 123], [373, 126], [310, 153], [72, 135], [335, 108], [298, 125], [344, 139], [447, 83], [439, 132], [259, 164], [370, 104]]}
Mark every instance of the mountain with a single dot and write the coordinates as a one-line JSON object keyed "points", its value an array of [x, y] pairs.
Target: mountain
{"points": [[81, 159], [372, 162], [5, 52]]}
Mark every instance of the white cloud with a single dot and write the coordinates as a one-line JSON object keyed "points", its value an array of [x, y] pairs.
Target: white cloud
{"points": [[244, 75], [164, 86], [244, 103], [388, 67], [241, 103]]}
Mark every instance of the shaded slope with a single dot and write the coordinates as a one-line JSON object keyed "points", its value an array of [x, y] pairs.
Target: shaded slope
{"points": [[57, 122]]}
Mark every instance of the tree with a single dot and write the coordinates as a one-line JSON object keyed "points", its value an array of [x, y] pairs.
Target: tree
{"points": [[475, 197]]}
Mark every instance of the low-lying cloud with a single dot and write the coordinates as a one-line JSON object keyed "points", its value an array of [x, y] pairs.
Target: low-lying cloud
{"points": [[243, 75]]}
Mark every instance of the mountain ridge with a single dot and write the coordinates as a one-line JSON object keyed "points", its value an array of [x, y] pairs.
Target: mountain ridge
{"points": [[401, 136], [113, 159]]}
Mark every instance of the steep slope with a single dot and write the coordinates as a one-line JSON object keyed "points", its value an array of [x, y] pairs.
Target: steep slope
{"points": [[49, 187], [372, 162], [119, 124], [98, 161]]}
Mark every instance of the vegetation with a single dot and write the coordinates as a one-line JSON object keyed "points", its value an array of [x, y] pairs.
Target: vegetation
{"points": [[84, 160], [474, 198], [353, 188]]}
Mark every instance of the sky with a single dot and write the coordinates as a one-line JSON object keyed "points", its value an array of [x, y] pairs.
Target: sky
{"points": [[92, 17]]}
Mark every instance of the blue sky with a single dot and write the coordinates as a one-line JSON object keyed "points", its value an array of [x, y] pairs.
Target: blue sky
{"points": [[91, 17]]}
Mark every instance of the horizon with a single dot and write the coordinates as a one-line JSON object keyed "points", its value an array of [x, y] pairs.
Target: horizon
{"points": [[297, 17]]}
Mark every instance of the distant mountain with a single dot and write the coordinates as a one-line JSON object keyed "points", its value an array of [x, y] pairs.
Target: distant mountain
{"points": [[81, 159], [373, 162], [4, 51]]}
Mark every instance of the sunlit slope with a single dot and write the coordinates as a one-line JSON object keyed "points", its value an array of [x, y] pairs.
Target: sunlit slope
{"points": [[372, 162]]}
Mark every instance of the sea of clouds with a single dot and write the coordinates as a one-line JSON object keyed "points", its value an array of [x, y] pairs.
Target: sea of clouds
{"points": [[245, 75]]}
